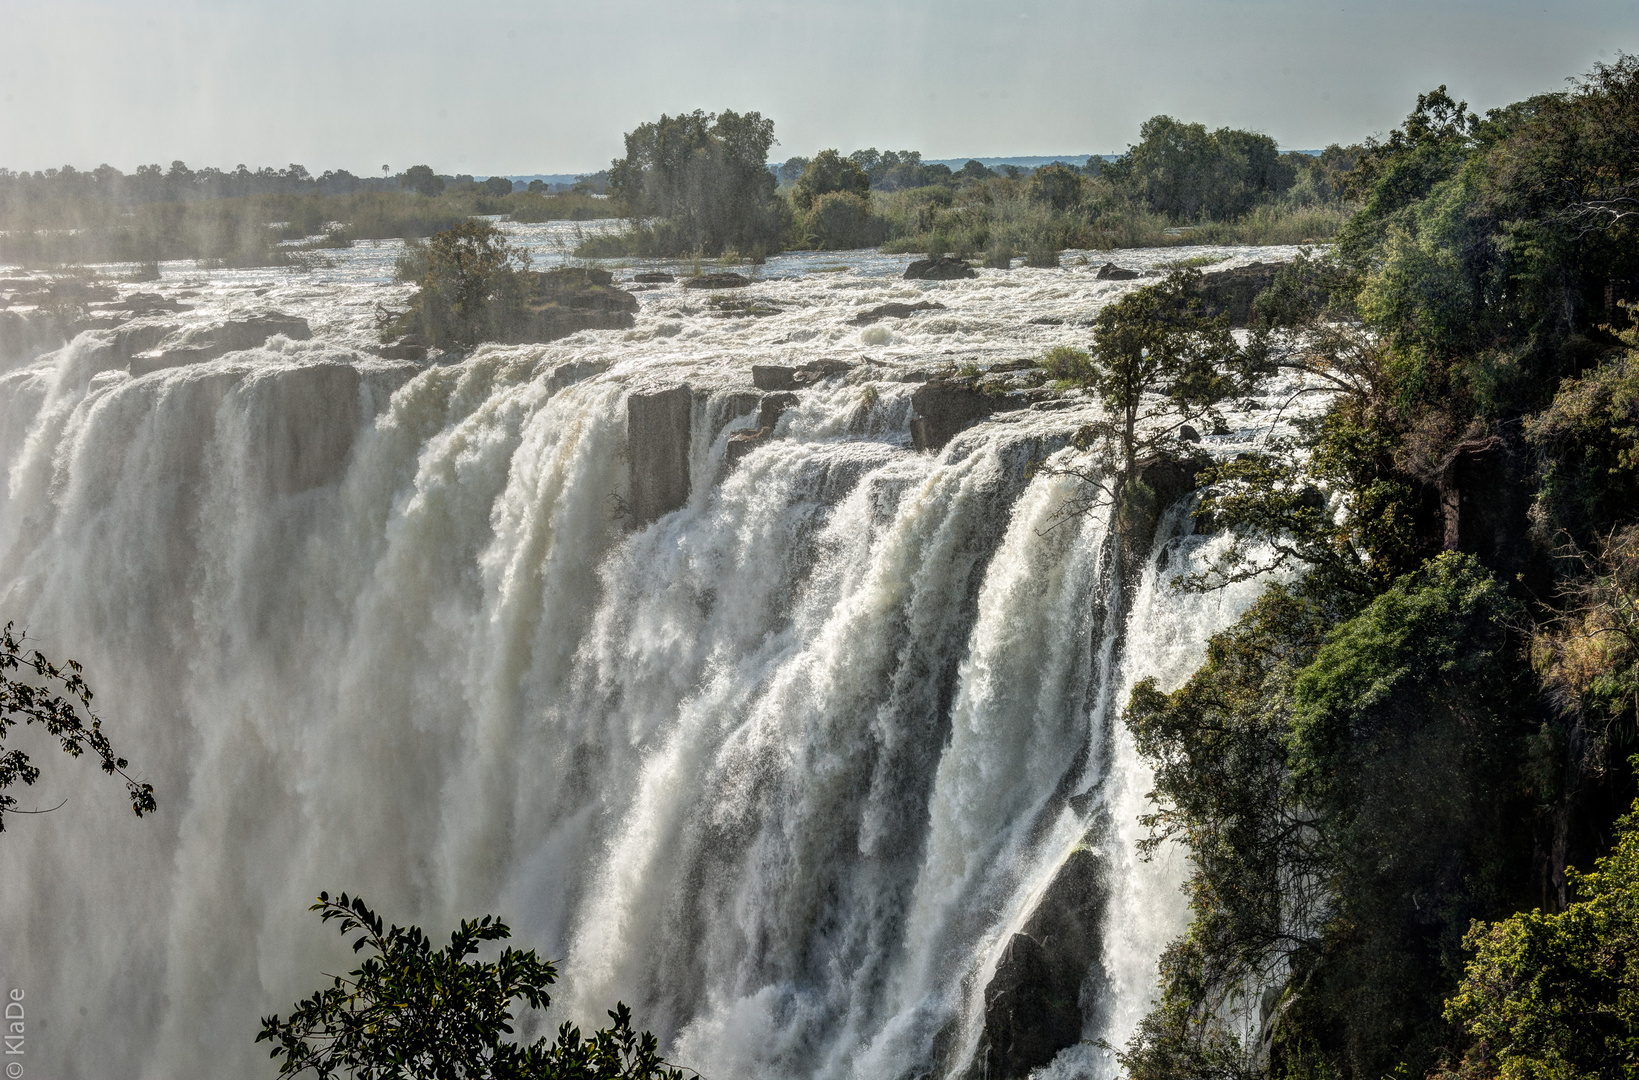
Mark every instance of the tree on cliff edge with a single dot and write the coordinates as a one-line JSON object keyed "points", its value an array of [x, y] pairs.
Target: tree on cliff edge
{"points": [[1157, 366]]}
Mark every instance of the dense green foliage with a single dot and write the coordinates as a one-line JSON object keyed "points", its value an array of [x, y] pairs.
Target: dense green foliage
{"points": [[413, 1012], [829, 172], [1157, 365], [472, 286], [703, 177], [1557, 995], [1394, 756], [35, 690], [1186, 172]]}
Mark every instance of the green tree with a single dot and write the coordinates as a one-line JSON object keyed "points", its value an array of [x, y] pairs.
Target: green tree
{"points": [[473, 285], [1157, 364], [828, 172], [1557, 995], [1058, 186], [706, 177], [58, 699], [422, 180], [1345, 783], [1186, 172], [413, 1012], [498, 186]]}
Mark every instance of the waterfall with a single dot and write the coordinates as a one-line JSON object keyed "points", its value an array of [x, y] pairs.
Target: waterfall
{"points": [[785, 769]]}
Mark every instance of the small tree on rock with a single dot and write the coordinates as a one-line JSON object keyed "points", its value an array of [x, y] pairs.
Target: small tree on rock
{"points": [[1157, 366]]}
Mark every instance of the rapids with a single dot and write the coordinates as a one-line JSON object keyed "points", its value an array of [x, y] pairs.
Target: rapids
{"points": [[783, 770]]}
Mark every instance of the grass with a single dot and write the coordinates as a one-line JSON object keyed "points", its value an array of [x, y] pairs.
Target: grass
{"points": [[999, 217]]}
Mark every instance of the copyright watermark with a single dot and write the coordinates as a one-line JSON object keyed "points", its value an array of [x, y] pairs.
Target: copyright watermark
{"points": [[14, 1035]]}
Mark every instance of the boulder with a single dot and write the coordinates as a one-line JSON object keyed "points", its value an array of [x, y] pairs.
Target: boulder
{"points": [[944, 268], [201, 343], [1033, 1001], [894, 311], [943, 407], [657, 444], [140, 303], [408, 347], [570, 299], [784, 377], [717, 281], [567, 374], [1111, 272], [1231, 292], [742, 443], [656, 277]]}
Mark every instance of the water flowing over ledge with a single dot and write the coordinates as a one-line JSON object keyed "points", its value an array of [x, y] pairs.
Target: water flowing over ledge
{"points": [[786, 769]]}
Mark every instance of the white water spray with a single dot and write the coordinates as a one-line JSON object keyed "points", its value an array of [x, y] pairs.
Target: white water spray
{"points": [[783, 770]]}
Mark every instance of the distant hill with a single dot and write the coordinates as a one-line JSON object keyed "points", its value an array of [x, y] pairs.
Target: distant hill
{"points": [[1024, 162]]}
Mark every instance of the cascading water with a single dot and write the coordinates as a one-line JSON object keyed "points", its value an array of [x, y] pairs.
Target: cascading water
{"points": [[785, 769]]}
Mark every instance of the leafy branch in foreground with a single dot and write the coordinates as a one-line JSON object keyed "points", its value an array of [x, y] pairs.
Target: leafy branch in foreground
{"points": [[410, 1011], [56, 704]]}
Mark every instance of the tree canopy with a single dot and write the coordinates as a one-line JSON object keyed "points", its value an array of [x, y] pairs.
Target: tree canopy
{"points": [[414, 1012], [705, 176]]}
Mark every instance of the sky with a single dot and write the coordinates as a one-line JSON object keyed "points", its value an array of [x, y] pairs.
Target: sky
{"points": [[548, 87]]}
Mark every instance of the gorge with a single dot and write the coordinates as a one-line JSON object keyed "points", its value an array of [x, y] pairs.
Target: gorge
{"points": [[744, 708]]}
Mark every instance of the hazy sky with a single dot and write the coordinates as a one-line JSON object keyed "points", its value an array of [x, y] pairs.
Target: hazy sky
{"points": [[543, 86]]}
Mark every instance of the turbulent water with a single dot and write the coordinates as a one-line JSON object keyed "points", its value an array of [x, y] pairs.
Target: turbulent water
{"points": [[784, 770]]}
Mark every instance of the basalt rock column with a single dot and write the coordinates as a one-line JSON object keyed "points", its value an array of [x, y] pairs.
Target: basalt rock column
{"points": [[657, 440]]}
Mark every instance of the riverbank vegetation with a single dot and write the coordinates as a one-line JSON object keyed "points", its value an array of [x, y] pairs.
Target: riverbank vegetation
{"points": [[1180, 184], [264, 218], [1388, 772]]}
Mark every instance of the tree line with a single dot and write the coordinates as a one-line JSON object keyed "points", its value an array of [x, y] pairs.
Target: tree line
{"points": [[696, 183]]}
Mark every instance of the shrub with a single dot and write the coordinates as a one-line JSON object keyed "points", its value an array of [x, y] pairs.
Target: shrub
{"points": [[1068, 364], [841, 220], [472, 285], [827, 173]]}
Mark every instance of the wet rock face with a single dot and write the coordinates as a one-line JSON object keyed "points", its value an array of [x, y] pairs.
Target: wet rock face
{"points": [[784, 377], [1231, 292], [1033, 1004], [894, 311], [408, 347], [574, 371], [201, 343], [1111, 272], [769, 411], [1163, 480], [944, 268], [657, 277], [657, 443], [1485, 494], [568, 300], [717, 281], [943, 407]]}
